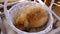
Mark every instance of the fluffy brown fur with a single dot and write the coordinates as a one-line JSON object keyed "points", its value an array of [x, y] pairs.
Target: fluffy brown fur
{"points": [[33, 16]]}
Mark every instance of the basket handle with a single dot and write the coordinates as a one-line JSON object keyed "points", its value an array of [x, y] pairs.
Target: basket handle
{"points": [[52, 2], [5, 6]]}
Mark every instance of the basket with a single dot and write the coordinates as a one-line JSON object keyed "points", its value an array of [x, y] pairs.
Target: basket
{"points": [[12, 12]]}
